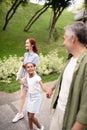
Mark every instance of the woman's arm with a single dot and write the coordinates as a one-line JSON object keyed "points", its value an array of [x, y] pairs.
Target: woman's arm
{"points": [[22, 58], [22, 82]]}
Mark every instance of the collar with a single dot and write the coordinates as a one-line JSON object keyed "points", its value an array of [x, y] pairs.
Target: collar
{"points": [[30, 53], [81, 56]]}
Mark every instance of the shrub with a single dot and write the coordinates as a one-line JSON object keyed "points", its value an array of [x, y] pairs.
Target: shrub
{"points": [[48, 64], [8, 67]]}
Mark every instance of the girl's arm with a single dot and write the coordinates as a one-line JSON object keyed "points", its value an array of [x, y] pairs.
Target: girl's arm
{"points": [[44, 88], [49, 91]]}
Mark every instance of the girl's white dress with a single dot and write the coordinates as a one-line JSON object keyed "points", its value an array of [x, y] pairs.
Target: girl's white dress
{"points": [[34, 94]]}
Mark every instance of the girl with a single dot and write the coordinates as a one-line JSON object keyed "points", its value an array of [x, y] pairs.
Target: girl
{"points": [[34, 94], [30, 55]]}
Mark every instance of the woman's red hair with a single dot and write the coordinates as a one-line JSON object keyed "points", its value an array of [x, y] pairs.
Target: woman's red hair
{"points": [[33, 43]]}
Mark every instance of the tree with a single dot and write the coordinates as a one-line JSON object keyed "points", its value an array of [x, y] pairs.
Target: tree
{"points": [[12, 11], [35, 17], [85, 12], [85, 1], [57, 7]]}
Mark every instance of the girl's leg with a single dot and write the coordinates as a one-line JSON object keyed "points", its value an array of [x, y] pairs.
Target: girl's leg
{"points": [[32, 120], [22, 100]]}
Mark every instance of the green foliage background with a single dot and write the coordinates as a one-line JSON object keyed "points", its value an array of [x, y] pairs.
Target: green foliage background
{"points": [[12, 40]]}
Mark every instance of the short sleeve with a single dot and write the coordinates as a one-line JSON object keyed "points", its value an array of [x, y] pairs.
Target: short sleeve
{"points": [[25, 54], [38, 78], [36, 59]]}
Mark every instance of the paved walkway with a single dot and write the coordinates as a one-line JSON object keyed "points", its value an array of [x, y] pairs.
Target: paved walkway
{"points": [[8, 108]]}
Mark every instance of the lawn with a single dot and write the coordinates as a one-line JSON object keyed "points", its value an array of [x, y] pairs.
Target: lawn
{"points": [[12, 40]]}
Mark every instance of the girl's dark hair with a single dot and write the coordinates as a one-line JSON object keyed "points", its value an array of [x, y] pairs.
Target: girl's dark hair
{"points": [[33, 43]]}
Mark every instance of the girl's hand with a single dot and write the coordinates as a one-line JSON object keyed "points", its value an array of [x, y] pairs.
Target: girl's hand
{"points": [[49, 93]]}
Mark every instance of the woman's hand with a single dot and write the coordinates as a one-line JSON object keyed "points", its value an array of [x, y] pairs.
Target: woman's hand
{"points": [[22, 59], [21, 81]]}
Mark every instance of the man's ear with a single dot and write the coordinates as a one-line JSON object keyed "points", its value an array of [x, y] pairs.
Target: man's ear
{"points": [[74, 38]]}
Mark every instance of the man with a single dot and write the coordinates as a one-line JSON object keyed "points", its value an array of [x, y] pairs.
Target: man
{"points": [[69, 100]]}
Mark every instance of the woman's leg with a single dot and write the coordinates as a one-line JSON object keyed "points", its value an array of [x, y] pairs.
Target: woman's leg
{"points": [[32, 120], [20, 115], [22, 100]]}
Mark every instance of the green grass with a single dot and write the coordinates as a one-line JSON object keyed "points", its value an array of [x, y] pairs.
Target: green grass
{"points": [[9, 87], [14, 85], [12, 40]]}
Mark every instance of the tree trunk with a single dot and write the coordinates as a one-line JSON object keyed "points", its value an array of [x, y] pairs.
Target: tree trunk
{"points": [[35, 17], [54, 20], [11, 12], [85, 4], [52, 27]]}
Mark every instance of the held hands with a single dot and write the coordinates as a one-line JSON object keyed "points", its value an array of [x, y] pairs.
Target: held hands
{"points": [[49, 92]]}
